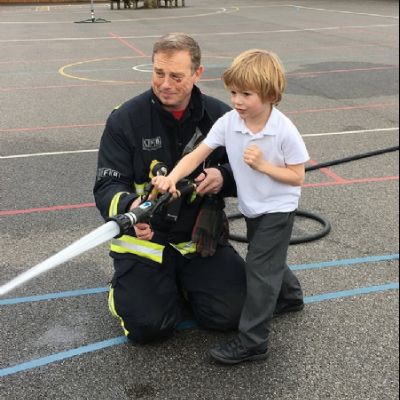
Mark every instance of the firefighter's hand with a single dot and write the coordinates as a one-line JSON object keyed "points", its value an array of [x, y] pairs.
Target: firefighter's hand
{"points": [[254, 158], [143, 231], [210, 182], [136, 203], [164, 184]]}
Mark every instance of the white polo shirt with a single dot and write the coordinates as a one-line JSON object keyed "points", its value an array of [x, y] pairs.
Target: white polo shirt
{"points": [[281, 144]]}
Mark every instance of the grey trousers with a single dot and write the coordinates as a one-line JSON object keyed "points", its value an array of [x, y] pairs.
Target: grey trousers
{"points": [[269, 279]]}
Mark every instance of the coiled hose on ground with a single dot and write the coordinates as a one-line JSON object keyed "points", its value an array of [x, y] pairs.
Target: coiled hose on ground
{"points": [[326, 225]]}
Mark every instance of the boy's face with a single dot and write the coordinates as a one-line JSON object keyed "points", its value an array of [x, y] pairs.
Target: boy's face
{"points": [[173, 79], [248, 104]]}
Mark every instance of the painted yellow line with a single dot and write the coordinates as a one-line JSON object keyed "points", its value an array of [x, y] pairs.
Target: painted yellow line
{"points": [[62, 70], [67, 75]]}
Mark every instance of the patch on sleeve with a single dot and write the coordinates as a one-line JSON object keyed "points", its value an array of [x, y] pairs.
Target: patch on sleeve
{"points": [[108, 173]]}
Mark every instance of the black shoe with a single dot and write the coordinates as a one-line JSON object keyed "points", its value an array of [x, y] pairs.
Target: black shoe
{"points": [[284, 308], [234, 352]]}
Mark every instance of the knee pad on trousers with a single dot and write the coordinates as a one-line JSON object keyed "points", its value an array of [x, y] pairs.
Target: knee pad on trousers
{"points": [[149, 331], [143, 334], [217, 318]]}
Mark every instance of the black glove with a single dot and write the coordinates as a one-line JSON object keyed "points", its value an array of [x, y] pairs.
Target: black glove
{"points": [[211, 226]]}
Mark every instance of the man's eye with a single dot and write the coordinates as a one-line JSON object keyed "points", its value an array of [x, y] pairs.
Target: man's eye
{"points": [[160, 74], [176, 78]]}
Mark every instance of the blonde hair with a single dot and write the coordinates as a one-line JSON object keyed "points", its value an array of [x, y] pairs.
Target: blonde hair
{"points": [[260, 71]]}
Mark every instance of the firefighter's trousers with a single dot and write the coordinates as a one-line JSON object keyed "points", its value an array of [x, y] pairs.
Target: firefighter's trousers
{"points": [[150, 299]]}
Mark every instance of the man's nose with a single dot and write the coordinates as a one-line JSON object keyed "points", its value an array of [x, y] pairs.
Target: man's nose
{"points": [[167, 82]]}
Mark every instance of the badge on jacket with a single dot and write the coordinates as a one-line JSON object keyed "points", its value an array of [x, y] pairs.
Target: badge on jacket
{"points": [[152, 144]]}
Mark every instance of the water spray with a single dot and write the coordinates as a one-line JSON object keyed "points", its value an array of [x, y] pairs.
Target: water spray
{"points": [[114, 227]]}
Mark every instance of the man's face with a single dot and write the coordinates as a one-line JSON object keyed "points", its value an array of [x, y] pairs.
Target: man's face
{"points": [[173, 79]]}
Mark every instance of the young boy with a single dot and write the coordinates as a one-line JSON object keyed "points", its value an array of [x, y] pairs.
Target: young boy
{"points": [[267, 156]]}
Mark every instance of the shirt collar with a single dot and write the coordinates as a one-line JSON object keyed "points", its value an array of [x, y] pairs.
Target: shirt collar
{"points": [[268, 130]]}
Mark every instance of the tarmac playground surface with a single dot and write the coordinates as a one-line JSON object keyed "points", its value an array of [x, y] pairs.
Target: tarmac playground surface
{"points": [[59, 80]]}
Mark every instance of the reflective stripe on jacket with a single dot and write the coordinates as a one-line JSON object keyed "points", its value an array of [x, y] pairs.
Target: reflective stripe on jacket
{"points": [[143, 248]]}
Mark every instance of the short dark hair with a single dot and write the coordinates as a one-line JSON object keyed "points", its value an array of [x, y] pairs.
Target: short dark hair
{"points": [[178, 41]]}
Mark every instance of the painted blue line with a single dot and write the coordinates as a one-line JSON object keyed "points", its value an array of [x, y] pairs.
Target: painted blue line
{"points": [[188, 324], [52, 296], [184, 325], [81, 292], [345, 262], [351, 292], [62, 356]]}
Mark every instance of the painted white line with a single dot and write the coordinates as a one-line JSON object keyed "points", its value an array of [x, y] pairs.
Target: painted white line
{"points": [[143, 68], [350, 132], [236, 33], [347, 12], [54, 153], [57, 153], [218, 11]]}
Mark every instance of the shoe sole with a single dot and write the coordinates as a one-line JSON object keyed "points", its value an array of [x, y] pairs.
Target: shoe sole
{"points": [[289, 310], [255, 357]]}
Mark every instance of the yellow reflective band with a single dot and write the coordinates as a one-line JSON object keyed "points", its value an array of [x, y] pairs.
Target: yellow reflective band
{"points": [[113, 210], [113, 311], [152, 165], [185, 247], [193, 197], [111, 304], [142, 248], [139, 188]]}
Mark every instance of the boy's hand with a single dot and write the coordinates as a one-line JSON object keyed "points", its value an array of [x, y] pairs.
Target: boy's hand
{"points": [[254, 158], [164, 184]]}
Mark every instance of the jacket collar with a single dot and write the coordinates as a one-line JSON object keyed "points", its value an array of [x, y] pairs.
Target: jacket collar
{"points": [[195, 108]]}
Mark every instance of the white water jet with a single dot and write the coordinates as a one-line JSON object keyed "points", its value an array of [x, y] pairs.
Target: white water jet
{"points": [[89, 241]]}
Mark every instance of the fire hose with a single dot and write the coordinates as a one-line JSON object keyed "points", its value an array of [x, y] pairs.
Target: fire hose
{"points": [[117, 225], [114, 227], [326, 226]]}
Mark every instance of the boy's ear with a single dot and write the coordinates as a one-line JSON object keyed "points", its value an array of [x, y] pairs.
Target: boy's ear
{"points": [[272, 100]]}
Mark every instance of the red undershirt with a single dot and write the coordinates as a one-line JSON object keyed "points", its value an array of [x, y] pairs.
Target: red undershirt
{"points": [[178, 114]]}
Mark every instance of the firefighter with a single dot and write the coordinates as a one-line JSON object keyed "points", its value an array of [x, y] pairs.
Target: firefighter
{"points": [[161, 274]]}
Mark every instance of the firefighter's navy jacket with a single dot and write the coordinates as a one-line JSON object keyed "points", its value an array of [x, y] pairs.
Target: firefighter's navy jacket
{"points": [[137, 133]]}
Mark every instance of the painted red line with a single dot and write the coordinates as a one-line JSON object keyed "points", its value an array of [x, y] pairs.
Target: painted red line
{"points": [[329, 173], [289, 49], [12, 89], [41, 61], [301, 49], [339, 71], [45, 128], [365, 106], [305, 74], [46, 209], [371, 32], [131, 46], [351, 182], [87, 205]]}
